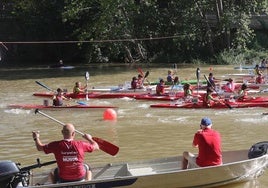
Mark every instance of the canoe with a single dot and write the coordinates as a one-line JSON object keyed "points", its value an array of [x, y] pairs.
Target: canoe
{"points": [[238, 166], [50, 107], [194, 105]]}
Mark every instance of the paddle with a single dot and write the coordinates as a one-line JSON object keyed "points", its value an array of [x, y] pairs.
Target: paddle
{"points": [[228, 105], [175, 81], [87, 78], [198, 79], [48, 88], [44, 86], [103, 144], [144, 76], [175, 69], [140, 71]]}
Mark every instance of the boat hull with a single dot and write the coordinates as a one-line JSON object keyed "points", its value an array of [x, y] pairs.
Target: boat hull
{"points": [[43, 107], [166, 172], [92, 95], [215, 106]]}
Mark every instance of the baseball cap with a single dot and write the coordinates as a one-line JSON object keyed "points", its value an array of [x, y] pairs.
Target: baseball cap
{"points": [[206, 121]]}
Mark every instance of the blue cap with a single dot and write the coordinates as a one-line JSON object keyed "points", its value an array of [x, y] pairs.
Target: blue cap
{"points": [[206, 121]]}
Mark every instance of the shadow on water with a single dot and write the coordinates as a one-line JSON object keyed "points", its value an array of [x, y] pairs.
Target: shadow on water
{"points": [[18, 72]]}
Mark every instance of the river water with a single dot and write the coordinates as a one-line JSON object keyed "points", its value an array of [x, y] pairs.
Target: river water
{"points": [[141, 132]]}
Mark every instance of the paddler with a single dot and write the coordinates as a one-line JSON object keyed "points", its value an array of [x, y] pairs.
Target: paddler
{"points": [[78, 88], [69, 154], [160, 88], [209, 100], [58, 98]]}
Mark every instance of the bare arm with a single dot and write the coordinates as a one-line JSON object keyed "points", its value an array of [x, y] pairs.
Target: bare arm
{"points": [[91, 141], [38, 143]]}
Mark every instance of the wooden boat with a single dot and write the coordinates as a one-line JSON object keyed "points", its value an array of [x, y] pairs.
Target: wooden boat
{"points": [[200, 104], [50, 107], [238, 166]]}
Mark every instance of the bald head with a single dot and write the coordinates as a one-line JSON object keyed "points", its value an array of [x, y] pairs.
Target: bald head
{"points": [[68, 131]]}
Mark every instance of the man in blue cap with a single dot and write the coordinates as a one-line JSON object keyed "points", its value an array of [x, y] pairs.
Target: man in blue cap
{"points": [[208, 142]]}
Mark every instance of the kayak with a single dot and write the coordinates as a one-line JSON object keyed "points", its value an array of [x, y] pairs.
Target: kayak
{"points": [[92, 95], [120, 89], [216, 105], [244, 67], [182, 82], [36, 106], [110, 95], [157, 97], [170, 96], [58, 66]]}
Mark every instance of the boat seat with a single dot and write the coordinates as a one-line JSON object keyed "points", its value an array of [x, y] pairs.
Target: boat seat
{"points": [[123, 171], [142, 171], [107, 172]]}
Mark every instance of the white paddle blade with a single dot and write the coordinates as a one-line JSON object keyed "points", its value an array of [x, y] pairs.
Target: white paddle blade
{"points": [[87, 76]]}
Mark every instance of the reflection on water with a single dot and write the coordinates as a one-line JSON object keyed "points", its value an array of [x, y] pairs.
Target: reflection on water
{"points": [[141, 132]]}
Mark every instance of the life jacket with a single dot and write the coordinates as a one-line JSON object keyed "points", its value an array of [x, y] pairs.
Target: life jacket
{"points": [[76, 90], [159, 89], [169, 78], [207, 102], [188, 92], [57, 101], [242, 95], [259, 80], [134, 84]]}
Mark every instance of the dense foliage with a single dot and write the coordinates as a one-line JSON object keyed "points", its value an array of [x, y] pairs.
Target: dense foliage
{"points": [[138, 30]]}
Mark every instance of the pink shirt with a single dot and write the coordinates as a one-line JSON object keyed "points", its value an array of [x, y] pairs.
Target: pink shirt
{"points": [[70, 156], [209, 145]]}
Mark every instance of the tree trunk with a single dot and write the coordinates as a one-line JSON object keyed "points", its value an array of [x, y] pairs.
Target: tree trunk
{"points": [[205, 22]]}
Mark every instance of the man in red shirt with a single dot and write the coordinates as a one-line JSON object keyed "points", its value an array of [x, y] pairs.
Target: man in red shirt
{"points": [[208, 142], [69, 154]]}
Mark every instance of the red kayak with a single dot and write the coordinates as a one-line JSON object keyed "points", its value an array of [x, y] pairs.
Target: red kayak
{"points": [[36, 106], [216, 105], [165, 97], [138, 96], [255, 99], [92, 95]]}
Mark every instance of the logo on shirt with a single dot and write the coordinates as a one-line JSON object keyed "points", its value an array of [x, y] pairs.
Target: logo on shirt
{"points": [[69, 158]]}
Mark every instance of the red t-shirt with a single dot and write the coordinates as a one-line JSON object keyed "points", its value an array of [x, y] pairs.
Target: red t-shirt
{"points": [[209, 145], [70, 157]]}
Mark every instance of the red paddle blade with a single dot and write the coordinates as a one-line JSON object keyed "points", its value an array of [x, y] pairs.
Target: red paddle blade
{"points": [[106, 146], [140, 71]]}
